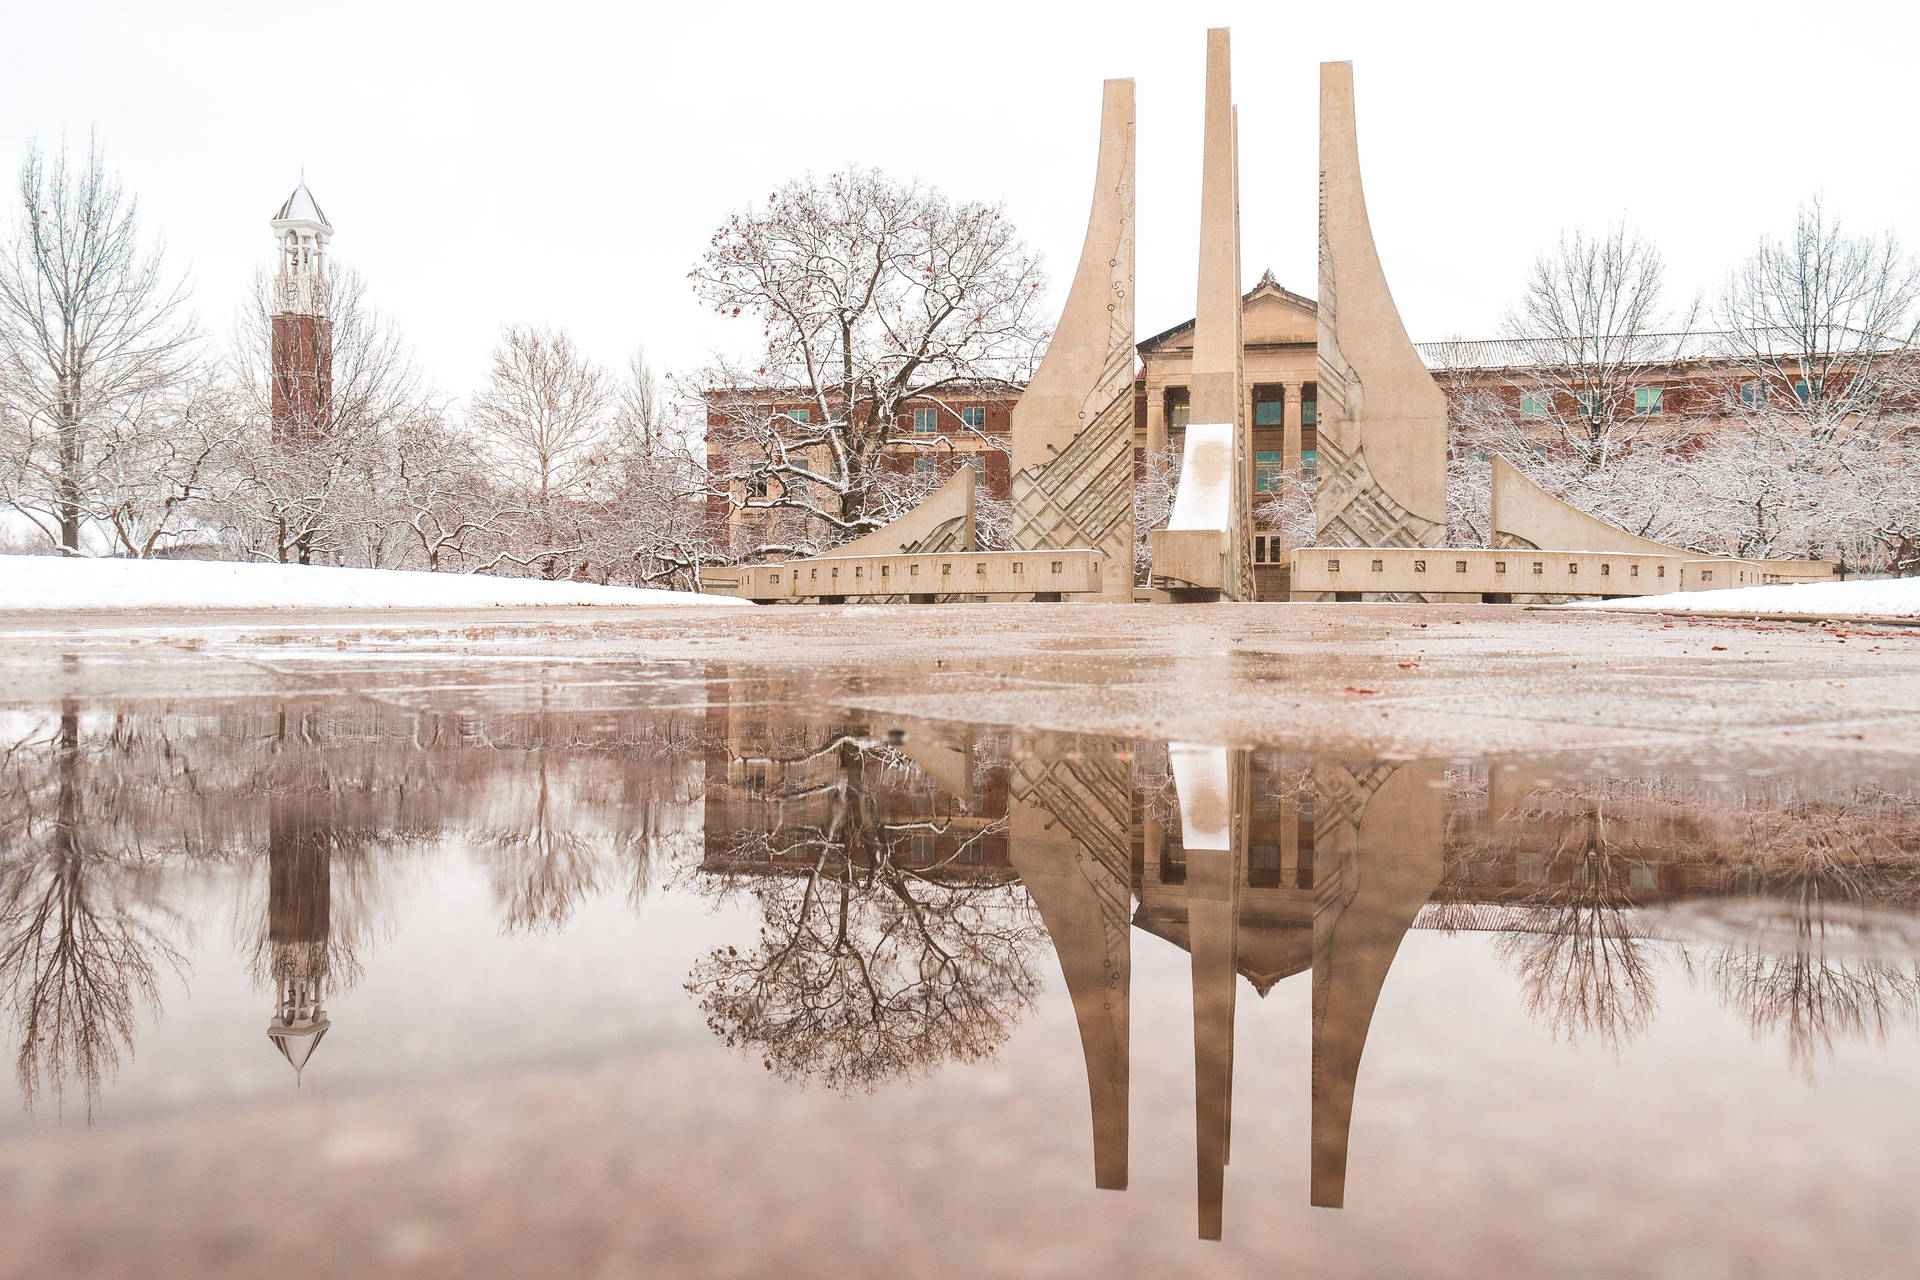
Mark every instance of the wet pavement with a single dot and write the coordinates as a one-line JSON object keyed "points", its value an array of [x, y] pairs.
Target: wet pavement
{"points": [[563, 949]]}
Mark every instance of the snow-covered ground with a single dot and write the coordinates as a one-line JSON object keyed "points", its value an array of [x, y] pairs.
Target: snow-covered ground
{"points": [[55, 583], [1875, 598]]}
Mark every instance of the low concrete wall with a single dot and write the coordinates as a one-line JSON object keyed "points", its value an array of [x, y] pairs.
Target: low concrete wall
{"points": [[914, 577], [1437, 571], [1380, 570]]}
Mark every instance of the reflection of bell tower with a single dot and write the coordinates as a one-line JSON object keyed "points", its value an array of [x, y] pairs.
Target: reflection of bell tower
{"points": [[302, 354], [298, 895]]}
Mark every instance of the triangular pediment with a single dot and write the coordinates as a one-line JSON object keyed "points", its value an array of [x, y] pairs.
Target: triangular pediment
{"points": [[1270, 313]]}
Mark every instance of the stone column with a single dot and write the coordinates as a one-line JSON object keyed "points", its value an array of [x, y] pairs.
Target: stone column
{"points": [[1156, 415], [1295, 421]]}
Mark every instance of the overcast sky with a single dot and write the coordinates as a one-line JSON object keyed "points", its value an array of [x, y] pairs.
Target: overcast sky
{"points": [[566, 163]]}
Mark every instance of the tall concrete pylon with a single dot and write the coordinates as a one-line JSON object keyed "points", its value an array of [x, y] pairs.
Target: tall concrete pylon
{"points": [[1383, 419], [1072, 430], [1206, 550]]}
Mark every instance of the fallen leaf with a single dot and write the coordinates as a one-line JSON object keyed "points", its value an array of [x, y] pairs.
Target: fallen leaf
{"points": [[1355, 689]]}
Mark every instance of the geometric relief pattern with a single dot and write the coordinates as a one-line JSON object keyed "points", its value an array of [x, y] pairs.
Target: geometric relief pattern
{"points": [[1354, 511], [1083, 496], [1092, 800], [1340, 799]]}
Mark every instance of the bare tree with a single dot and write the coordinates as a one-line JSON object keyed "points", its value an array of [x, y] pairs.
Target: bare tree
{"points": [[1594, 327], [870, 293], [315, 493], [1824, 324], [546, 411], [90, 333], [642, 415]]}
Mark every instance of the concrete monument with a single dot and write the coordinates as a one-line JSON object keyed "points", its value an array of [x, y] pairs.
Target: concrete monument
{"points": [[1206, 550], [1072, 482], [1383, 419]]}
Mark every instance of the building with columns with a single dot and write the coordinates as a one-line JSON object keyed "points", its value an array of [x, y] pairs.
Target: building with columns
{"points": [[1281, 337], [301, 326]]}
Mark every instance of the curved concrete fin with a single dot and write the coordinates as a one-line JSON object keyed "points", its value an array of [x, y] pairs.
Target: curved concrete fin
{"points": [[1522, 514], [1070, 844], [1382, 418], [1072, 431], [943, 522], [1378, 842]]}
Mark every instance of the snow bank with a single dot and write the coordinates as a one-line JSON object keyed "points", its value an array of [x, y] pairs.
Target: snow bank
{"points": [[1877, 598], [43, 583]]}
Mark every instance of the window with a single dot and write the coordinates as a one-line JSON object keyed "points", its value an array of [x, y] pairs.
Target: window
{"points": [[1269, 413], [923, 466], [1753, 395], [1533, 406], [1648, 400], [1589, 404], [756, 479], [800, 415], [1802, 392], [926, 420], [1177, 417], [974, 416], [1309, 413], [1308, 459], [1266, 471]]}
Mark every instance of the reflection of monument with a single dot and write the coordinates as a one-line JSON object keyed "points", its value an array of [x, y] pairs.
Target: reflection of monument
{"points": [[1214, 795], [1378, 844], [299, 892], [1070, 811]]}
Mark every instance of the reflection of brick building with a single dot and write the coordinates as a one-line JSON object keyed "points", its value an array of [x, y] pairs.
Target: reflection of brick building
{"points": [[302, 331]]}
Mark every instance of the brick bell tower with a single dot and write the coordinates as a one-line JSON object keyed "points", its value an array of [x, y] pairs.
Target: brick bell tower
{"points": [[302, 329]]}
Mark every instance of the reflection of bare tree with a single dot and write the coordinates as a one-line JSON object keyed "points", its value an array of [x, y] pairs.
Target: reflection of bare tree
{"points": [[1578, 947], [82, 948], [884, 950], [580, 813], [1811, 964], [1812, 997], [543, 863]]}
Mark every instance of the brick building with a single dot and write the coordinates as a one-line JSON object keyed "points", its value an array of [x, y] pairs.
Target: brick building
{"points": [[933, 437]]}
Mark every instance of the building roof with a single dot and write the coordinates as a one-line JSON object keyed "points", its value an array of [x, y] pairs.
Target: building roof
{"points": [[1266, 286], [302, 207], [1488, 354]]}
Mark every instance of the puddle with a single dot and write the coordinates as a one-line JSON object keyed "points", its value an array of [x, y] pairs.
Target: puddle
{"points": [[593, 966]]}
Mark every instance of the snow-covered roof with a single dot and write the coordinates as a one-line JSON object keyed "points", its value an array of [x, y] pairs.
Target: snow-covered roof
{"points": [[302, 207], [1653, 348]]}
